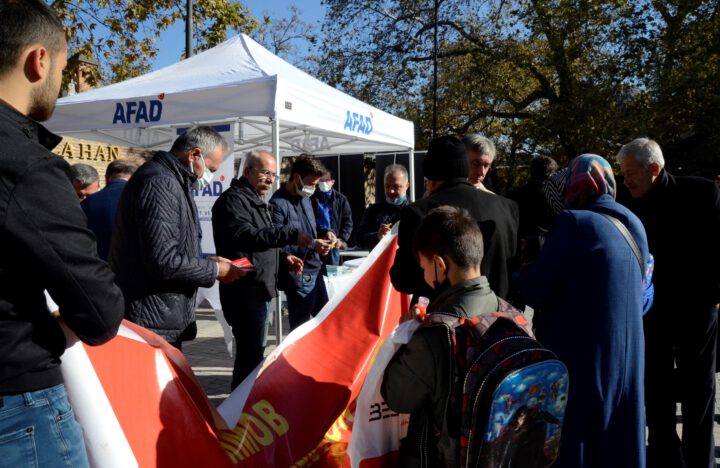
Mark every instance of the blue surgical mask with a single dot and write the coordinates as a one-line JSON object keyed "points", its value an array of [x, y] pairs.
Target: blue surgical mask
{"points": [[402, 199]]}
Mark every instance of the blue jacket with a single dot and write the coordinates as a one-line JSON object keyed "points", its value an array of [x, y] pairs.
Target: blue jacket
{"points": [[296, 213], [100, 210], [586, 288]]}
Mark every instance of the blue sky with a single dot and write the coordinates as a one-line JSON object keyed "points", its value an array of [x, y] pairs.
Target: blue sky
{"points": [[172, 42]]}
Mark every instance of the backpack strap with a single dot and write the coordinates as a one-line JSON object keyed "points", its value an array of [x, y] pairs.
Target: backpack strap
{"points": [[481, 323]]}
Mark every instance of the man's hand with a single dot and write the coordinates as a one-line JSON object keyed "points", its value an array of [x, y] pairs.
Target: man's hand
{"points": [[384, 229], [294, 264], [226, 272], [322, 246], [335, 241]]}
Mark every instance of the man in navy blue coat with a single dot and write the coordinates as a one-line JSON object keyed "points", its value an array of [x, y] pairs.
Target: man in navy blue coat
{"points": [[100, 207], [299, 269]]}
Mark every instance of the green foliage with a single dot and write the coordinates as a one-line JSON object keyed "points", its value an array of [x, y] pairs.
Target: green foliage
{"points": [[121, 34], [554, 77]]}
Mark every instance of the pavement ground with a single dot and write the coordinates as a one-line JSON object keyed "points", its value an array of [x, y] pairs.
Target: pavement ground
{"points": [[213, 365]]}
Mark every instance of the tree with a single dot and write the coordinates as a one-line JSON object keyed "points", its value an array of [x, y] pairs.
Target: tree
{"points": [[556, 77], [121, 34], [286, 36]]}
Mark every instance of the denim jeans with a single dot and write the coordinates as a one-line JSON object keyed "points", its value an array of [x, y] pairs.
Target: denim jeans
{"points": [[38, 429], [250, 339]]}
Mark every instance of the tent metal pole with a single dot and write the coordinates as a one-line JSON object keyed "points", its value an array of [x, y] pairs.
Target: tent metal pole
{"points": [[411, 160], [278, 159]]}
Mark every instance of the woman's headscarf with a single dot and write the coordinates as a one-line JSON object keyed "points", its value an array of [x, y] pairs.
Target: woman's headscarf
{"points": [[590, 176], [587, 177]]}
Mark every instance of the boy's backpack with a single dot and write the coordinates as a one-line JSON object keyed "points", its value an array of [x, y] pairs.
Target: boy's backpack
{"points": [[507, 396]]}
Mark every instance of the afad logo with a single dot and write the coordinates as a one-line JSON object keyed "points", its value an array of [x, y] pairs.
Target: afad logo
{"points": [[358, 123], [139, 111]]}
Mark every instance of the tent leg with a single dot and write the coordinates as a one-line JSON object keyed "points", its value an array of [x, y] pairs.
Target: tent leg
{"points": [[411, 161], [278, 159]]}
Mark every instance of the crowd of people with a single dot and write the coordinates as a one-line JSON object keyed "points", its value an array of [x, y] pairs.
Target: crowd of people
{"points": [[623, 278]]}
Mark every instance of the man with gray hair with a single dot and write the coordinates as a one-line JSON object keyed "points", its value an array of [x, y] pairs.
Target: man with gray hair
{"points": [[85, 180], [243, 228], [155, 249], [681, 216], [100, 208], [380, 216], [481, 154]]}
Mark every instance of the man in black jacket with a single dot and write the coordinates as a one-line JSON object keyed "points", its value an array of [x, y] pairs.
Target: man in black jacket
{"points": [[243, 228], [46, 246], [155, 249], [681, 216], [380, 216], [446, 169]]}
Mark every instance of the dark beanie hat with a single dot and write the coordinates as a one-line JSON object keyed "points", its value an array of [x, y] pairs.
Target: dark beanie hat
{"points": [[446, 159]]}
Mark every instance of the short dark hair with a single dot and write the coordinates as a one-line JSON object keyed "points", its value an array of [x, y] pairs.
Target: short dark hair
{"points": [[85, 174], [542, 167], [26, 22], [452, 232], [200, 136], [120, 167], [307, 164]]}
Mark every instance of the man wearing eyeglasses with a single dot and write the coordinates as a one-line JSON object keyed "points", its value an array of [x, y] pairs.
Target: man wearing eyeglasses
{"points": [[243, 228]]}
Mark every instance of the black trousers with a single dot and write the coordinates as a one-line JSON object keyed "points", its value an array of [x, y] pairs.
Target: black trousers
{"points": [[682, 335], [250, 329]]}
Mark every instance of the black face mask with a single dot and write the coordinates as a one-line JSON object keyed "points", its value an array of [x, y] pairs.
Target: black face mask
{"points": [[445, 284]]}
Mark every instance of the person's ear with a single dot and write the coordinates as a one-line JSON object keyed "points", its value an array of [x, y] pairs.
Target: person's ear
{"points": [[655, 169], [440, 263], [37, 63], [195, 154]]}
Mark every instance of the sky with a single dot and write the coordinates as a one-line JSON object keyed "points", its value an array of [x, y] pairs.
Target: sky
{"points": [[171, 44]]}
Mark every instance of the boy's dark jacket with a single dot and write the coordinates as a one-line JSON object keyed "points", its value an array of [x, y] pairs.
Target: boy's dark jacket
{"points": [[417, 379]]}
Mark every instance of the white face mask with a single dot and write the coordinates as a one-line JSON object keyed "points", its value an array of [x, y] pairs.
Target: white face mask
{"points": [[207, 177], [324, 186], [305, 190]]}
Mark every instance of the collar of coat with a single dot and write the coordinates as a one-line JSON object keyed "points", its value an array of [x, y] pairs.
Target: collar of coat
{"points": [[31, 129], [172, 163]]}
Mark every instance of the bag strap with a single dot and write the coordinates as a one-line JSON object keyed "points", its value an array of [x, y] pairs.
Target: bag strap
{"points": [[629, 238]]}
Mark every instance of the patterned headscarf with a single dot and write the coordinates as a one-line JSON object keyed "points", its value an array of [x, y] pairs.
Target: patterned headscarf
{"points": [[554, 190], [587, 177], [590, 176]]}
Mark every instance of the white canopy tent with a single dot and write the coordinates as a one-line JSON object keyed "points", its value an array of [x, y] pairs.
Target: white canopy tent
{"points": [[274, 104], [262, 101]]}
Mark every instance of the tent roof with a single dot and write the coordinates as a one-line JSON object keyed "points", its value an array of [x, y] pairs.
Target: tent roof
{"points": [[236, 81]]}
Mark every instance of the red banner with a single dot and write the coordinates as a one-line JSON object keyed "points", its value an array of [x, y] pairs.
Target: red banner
{"points": [[295, 414]]}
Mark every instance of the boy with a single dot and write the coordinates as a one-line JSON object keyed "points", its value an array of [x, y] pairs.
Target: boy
{"points": [[449, 248]]}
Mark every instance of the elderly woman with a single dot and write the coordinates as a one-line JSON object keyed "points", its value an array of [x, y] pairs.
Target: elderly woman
{"points": [[586, 287]]}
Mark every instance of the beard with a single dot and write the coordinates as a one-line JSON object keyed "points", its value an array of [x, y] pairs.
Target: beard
{"points": [[42, 100], [263, 188]]}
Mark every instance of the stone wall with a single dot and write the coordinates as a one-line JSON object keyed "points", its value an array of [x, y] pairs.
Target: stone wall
{"points": [[98, 155]]}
